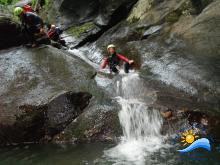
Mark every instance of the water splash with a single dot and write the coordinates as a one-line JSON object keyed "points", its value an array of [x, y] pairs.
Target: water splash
{"points": [[141, 125]]}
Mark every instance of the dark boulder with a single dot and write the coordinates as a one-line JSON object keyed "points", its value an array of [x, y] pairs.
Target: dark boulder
{"points": [[10, 33], [40, 123]]}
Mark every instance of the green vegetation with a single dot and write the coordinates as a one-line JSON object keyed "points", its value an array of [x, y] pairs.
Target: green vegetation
{"points": [[77, 31], [172, 17], [134, 20], [7, 2]]}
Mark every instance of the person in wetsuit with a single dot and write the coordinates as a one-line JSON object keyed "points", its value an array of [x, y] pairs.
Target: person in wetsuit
{"points": [[114, 60], [54, 35], [32, 24]]}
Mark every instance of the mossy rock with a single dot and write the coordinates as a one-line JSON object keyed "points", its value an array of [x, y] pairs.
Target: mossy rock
{"points": [[77, 31]]}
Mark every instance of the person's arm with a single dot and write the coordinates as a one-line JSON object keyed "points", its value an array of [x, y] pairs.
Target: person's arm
{"points": [[123, 58], [104, 63]]}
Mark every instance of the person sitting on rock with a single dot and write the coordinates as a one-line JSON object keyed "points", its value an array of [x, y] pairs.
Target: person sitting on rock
{"points": [[32, 24], [113, 60], [54, 35]]}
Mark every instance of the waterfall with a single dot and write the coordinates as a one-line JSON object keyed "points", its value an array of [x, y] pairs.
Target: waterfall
{"points": [[140, 124]]}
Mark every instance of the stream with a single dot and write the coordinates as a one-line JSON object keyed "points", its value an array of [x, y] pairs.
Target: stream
{"points": [[141, 143]]}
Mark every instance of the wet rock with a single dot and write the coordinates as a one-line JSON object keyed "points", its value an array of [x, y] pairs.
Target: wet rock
{"points": [[41, 123], [179, 63], [106, 12], [10, 33], [64, 109], [99, 122], [34, 95], [77, 16], [202, 33], [84, 33], [151, 30]]}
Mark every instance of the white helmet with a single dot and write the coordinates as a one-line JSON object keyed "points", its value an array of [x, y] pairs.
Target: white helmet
{"points": [[111, 46], [53, 26]]}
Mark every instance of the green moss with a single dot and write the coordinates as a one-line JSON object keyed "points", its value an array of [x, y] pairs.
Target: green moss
{"points": [[77, 31], [172, 17], [134, 20]]}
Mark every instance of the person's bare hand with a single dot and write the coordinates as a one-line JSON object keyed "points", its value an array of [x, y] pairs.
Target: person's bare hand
{"points": [[131, 62]]}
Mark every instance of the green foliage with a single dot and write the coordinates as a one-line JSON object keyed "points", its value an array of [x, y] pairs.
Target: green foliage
{"points": [[77, 31], [7, 2]]}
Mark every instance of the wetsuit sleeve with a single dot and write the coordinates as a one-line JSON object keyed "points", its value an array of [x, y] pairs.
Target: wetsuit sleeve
{"points": [[104, 63], [123, 58]]}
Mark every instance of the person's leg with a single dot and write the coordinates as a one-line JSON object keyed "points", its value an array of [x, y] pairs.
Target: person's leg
{"points": [[114, 70], [126, 67], [63, 42], [32, 31]]}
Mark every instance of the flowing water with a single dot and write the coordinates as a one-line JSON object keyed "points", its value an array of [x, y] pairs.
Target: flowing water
{"points": [[141, 125]]}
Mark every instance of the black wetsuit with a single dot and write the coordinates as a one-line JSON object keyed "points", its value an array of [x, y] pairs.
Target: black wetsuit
{"points": [[32, 24]]}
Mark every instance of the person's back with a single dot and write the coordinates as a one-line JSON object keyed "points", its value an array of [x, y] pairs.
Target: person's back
{"points": [[31, 19]]}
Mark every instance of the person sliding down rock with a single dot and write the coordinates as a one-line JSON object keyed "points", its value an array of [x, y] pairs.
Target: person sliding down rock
{"points": [[32, 26], [114, 59], [54, 35]]}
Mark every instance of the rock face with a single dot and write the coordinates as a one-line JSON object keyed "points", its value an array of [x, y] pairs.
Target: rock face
{"points": [[88, 20], [10, 33], [203, 34], [35, 101], [104, 12]]}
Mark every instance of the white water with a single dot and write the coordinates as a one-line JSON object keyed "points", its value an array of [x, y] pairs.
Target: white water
{"points": [[141, 125]]}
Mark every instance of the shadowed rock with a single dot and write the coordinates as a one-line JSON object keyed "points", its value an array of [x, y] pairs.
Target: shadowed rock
{"points": [[10, 33]]}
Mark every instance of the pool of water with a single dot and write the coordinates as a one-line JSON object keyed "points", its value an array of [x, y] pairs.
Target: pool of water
{"points": [[96, 153]]}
